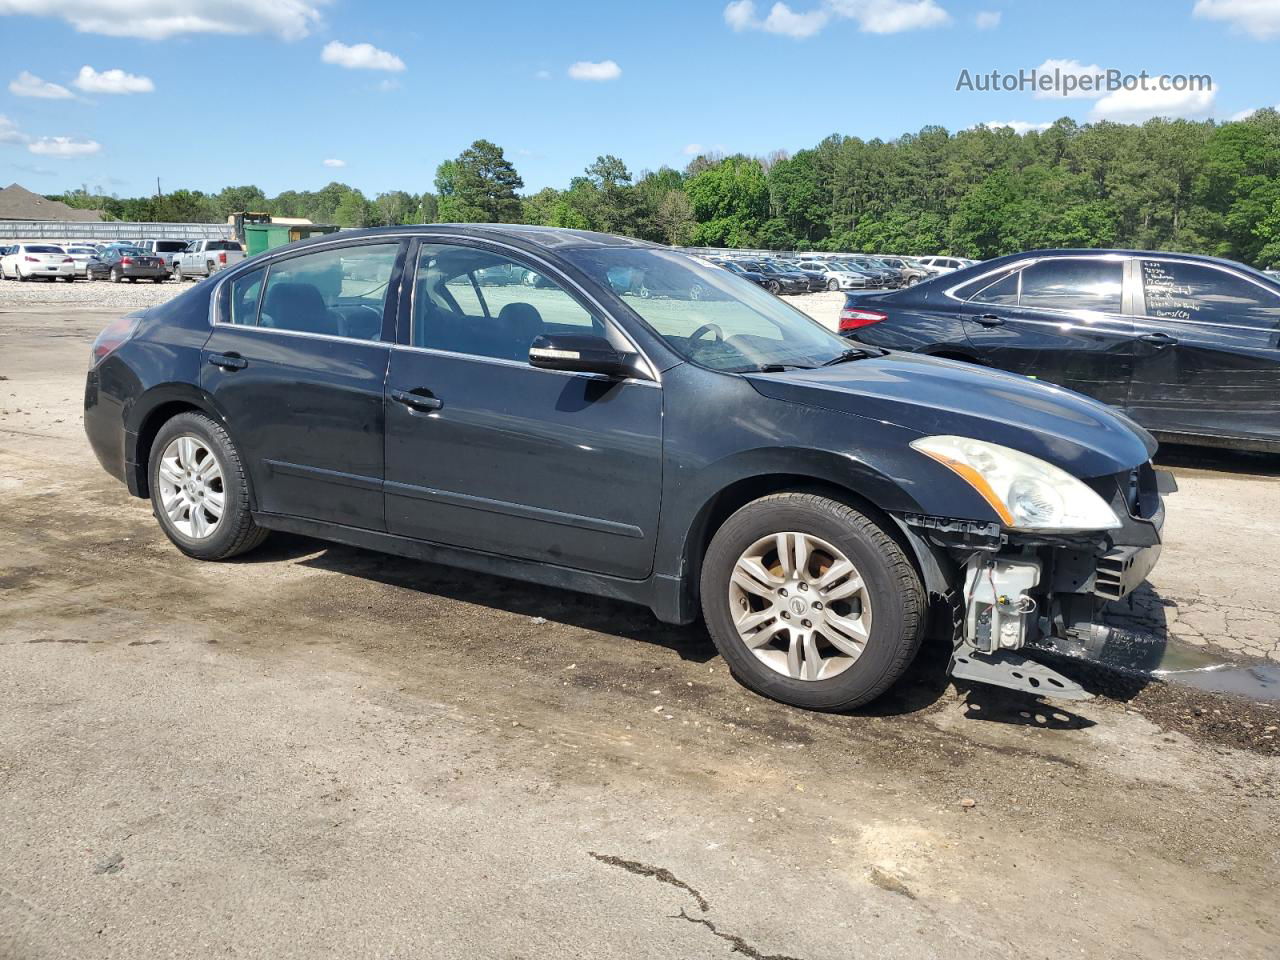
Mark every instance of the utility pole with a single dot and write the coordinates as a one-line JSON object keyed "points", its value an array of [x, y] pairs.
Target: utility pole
{"points": [[158, 193]]}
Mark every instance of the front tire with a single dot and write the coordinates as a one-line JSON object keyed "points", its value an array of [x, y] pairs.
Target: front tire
{"points": [[774, 287], [177, 273], [200, 489], [811, 602]]}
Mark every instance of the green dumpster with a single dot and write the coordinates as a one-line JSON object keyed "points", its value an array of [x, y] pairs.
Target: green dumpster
{"points": [[266, 236]]}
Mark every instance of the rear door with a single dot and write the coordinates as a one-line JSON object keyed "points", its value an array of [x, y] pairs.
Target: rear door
{"points": [[1209, 350], [1060, 319], [486, 452], [297, 362]]}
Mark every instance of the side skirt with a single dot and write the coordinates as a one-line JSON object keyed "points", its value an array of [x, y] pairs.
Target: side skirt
{"points": [[654, 592]]}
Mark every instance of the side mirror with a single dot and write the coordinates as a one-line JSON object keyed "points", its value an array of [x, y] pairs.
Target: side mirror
{"points": [[583, 353]]}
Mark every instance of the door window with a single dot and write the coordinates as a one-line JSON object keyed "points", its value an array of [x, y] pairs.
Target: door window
{"points": [[474, 301], [1072, 284], [337, 293], [1003, 291], [246, 291], [1192, 291]]}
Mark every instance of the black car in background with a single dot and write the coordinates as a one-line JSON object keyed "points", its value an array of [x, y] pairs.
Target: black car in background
{"points": [[778, 279], [759, 279], [1188, 346], [117, 263], [719, 455], [817, 278]]}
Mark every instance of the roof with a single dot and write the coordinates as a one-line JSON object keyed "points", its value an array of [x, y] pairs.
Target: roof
{"points": [[19, 203], [552, 238]]}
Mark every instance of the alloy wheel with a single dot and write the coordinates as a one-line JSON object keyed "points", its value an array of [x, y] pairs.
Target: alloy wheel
{"points": [[192, 493], [800, 605]]}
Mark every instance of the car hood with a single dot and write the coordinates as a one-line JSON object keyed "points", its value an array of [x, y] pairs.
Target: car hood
{"points": [[932, 396]]}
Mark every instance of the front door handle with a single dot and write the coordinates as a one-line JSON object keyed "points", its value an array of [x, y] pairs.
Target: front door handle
{"points": [[228, 361], [988, 320], [419, 399], [1159, 339]]}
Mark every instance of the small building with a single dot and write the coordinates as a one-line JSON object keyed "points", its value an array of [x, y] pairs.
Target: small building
{"points": [[19, 203]]}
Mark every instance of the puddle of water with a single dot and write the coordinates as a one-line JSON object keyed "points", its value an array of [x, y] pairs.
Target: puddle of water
{"points": [[1259, 682], [1133, 653]]}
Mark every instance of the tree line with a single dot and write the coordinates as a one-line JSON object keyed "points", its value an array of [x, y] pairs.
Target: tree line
{"points": [[1201, 187]]}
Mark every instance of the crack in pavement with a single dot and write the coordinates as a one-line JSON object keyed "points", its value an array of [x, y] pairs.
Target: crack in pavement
{"points": [[661, 874], [739, 944]]}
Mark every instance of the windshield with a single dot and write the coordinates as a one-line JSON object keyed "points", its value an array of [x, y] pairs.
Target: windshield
{"points": [[43, 249], [712, 317]]}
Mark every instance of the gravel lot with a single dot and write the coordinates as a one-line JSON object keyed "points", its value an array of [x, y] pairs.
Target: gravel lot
{"points": [[319, 751], [92, 293]]}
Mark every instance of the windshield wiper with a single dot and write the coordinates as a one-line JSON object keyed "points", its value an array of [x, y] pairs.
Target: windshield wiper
{"points": [[772, 368], [853, 353]]}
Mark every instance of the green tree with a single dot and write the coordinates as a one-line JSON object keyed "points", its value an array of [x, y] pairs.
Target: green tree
{"points": [[479, 186], [353, 210]]}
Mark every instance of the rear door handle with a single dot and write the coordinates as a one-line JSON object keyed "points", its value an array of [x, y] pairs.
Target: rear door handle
{"points": [[988, 320], [228, 361], [419, 399], [1159, 339]]}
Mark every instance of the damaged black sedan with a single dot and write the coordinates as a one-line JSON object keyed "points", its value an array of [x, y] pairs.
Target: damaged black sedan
{"points": [[711, 452]]}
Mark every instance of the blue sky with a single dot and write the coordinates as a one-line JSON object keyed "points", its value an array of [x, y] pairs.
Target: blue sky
{"points": [[113, 93]]}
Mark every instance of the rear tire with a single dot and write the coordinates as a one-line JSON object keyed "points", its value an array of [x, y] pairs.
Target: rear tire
{"points": [[116, 276], [829, 656], [195, 439]]}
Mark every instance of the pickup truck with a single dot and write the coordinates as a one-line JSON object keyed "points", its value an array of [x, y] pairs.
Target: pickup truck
{"points": [[203, 258]]}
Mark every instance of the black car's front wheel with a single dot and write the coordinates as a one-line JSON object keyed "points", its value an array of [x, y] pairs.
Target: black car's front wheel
{"points": [[774, 287], [811, 602], [200, 490]]}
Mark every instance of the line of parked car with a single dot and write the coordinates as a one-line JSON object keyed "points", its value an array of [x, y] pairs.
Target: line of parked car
{"points": [[155, 260], [843, 271]]}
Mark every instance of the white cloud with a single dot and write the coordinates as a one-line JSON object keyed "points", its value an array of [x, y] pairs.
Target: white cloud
{"points": [[9, 132], [335, 162], [590, 70], [741, 15], [112, 81], [1258, 18], [891, 16], [158, 19], [987, 19], [64, 147], [1017, 126], [872, 16], [1069, 68], [27, 84], [360, 56], [1134, 106]]}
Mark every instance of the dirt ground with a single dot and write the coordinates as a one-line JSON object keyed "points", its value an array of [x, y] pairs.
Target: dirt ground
{"points": [[320, 751]]}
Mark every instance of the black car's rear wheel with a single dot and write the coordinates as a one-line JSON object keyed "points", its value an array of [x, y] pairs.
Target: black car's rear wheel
{"points": [[116, 275], [811, 602], [200, 490]]}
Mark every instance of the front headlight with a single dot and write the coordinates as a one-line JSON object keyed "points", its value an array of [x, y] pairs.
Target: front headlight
{"points": [[1025, 492]]}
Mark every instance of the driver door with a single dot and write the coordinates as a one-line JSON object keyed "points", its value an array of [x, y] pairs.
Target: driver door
{"points": [[486, 452]]}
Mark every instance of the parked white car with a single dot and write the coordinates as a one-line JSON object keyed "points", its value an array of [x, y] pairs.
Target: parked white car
{"points": [[82, 255], [939, 265], [838, 276], [29, 260]]}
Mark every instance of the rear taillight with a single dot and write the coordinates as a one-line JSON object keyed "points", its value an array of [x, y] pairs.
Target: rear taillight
{"points": [[126, 261], [30, 259], [116, 333], [222, 257], [851, 318], [67, 260]]}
